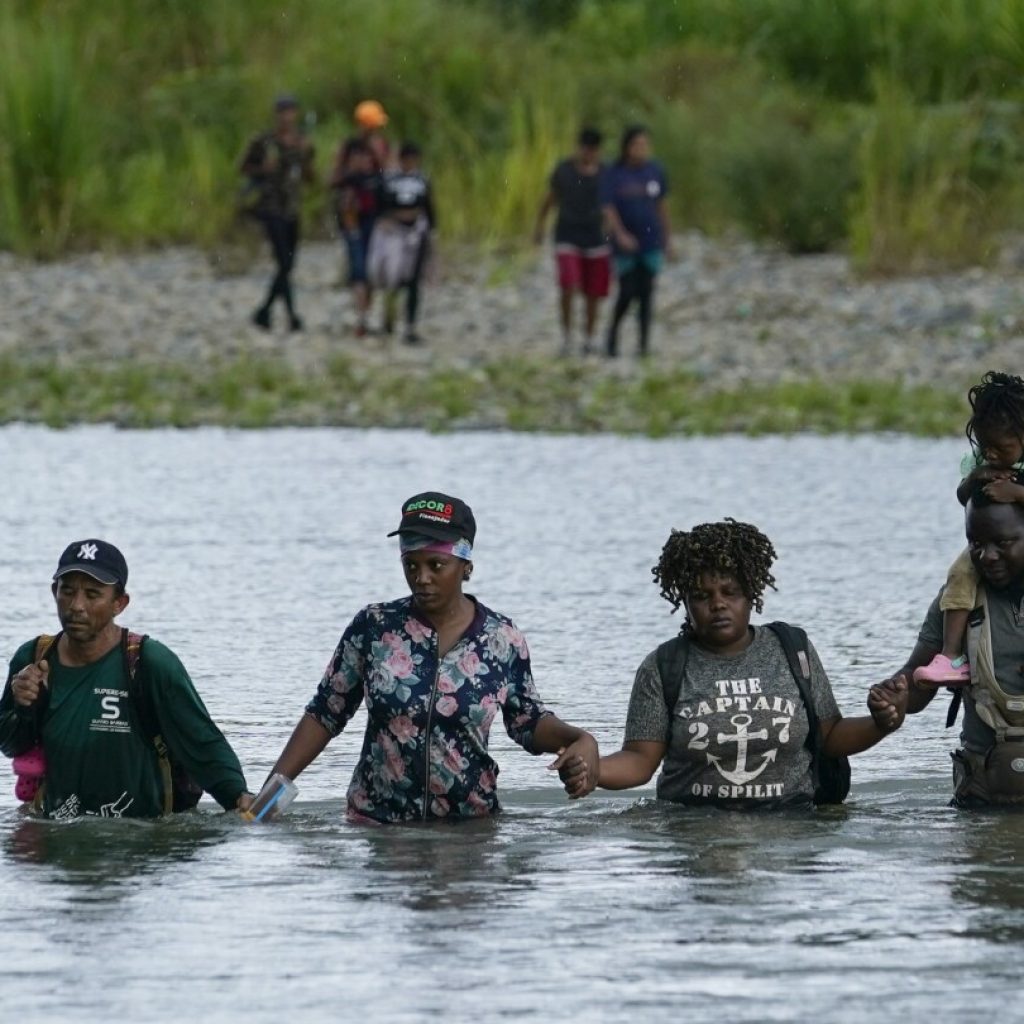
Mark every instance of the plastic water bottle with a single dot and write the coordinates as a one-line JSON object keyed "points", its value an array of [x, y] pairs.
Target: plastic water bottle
{"points": [[274, 799]]}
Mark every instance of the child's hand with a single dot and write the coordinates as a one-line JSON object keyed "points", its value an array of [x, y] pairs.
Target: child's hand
{"points": [[1005, 490], [989, 474]]}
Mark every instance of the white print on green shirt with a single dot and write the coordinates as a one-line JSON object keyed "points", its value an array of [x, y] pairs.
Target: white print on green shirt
{"points": [[111, 717]]}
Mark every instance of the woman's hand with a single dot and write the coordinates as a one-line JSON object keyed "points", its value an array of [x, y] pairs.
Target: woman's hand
{"points": [[627, 242], [578, 766], [887, 703]]}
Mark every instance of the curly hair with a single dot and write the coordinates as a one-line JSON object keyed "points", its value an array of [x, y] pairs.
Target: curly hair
{"points": [[726, 548], [997, 403]]}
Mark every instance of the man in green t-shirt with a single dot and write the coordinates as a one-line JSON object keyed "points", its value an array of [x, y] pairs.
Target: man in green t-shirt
{"points": [[75, 703]]}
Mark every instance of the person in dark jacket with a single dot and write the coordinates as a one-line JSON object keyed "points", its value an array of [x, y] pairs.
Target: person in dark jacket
{"points": [[277, 164]]}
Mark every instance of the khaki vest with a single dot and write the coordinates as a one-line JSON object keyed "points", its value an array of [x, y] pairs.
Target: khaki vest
{"points": [[1001, 711]]}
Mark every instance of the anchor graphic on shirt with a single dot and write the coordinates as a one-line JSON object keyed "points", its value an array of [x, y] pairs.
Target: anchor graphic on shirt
{"points": [[739, 775]]}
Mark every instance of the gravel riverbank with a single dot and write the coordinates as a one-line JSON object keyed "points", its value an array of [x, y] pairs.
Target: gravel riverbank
{"points": [[728, 314]]}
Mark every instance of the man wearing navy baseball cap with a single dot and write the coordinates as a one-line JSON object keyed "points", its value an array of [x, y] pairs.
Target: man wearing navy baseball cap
{"points": [[101, 721]]}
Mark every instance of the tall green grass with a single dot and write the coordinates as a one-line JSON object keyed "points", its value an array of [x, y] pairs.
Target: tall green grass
{"points": [[891, 126], [45, 148]]}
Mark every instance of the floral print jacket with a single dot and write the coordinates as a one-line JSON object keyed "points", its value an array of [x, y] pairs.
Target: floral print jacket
{"points": [[425, 750]]}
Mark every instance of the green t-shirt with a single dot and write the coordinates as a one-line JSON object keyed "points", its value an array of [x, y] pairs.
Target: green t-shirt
{"points": [[98, 759]]}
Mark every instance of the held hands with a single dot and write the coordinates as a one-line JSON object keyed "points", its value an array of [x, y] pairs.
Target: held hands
{"points": [[887, 703], [244, 802], [578, 766], [27, 686]]}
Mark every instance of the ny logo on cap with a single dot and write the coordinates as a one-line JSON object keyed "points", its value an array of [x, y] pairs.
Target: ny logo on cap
{"points": [[87, 551]]}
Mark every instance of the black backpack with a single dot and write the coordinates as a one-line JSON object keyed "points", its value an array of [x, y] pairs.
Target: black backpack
{"points": [[181, 791], [831, 774]]}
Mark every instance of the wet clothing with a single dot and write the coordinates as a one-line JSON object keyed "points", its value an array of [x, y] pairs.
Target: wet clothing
{"points": [[98, 760], [981, 774], [737, 736], [635, 192], [279, 190], [1006, 618], [579, 222], [424, 753]]}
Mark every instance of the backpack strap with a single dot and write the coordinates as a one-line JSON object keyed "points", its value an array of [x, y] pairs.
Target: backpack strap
{"points": [[46, 647], [831, 775], [794, 644], [954, 708], [142, 703], [672, 657]]}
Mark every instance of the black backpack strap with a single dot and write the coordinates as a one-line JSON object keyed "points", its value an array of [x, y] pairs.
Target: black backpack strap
{"points": [[794, 644], [672, 657], [831, 775], [954, 708]]}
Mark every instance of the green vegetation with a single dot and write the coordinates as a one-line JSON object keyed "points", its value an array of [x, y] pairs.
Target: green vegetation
{"points": [[528, 395], [893, 126]]}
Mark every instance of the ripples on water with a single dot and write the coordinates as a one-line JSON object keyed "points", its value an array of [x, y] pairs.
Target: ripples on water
{"points": [[250, 551]]}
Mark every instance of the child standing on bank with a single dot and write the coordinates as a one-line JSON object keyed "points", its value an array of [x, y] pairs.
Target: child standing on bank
{"points": [[996, 459]]}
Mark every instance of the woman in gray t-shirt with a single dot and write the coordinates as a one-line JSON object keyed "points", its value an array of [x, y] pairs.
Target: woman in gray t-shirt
{"points": [[737, 733]]}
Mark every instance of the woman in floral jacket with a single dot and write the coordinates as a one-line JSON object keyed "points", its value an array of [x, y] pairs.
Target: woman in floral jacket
{"points": [[434, 670]]}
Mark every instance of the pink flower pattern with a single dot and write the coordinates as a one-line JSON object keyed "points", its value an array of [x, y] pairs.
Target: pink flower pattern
{"points": [[425, 752]]}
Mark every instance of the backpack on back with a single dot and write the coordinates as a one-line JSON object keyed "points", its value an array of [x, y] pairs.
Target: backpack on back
{"points": [[181, 791], [831, 775]]}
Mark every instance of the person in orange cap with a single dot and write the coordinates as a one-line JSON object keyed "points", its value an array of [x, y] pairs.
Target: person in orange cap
{"points": [[355, 181]]}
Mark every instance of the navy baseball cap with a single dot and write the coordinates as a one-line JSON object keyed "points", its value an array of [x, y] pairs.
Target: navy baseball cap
{"points": [[436, 515], [96, 558]]}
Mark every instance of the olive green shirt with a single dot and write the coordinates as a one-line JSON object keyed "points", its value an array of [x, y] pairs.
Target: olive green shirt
{"points": [[98, 759]]}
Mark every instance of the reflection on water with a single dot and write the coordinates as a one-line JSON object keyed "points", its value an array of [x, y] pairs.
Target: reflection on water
{"points": [[98, 853], [612, 909]]}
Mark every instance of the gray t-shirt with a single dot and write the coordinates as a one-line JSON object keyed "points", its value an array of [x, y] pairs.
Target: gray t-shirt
{"points": [[738, 733], [1006, 617]]}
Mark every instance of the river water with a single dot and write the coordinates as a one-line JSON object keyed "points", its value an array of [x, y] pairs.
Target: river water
{"points": [[249, 552]]}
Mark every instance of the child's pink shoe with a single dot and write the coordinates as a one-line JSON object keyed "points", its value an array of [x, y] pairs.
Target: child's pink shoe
{"points": [[941, 671], [30, 768]]}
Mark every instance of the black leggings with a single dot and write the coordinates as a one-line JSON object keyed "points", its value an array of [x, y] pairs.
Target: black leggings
{"points": [[283, 235], [637, 283]]}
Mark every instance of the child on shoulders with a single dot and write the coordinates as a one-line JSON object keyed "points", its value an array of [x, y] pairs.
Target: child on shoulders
{"points": [[996, 459]]}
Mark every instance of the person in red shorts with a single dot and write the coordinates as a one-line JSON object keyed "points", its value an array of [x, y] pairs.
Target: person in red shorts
{"points": [[581, 248]]}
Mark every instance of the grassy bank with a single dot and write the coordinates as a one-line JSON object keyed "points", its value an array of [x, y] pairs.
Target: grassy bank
{"points": [[893, 127], [528, 395]]}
